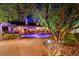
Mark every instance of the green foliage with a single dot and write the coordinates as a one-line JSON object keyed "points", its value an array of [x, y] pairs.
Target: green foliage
{"points": [[40, 15], [8, 12], [71, 16], [70, 39], [53, 18], [76, 36], [9, 36], [53, 21], [42, 20]]}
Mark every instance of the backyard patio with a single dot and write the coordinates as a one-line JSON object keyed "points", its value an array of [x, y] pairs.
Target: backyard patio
{"points": [[50, 29]]}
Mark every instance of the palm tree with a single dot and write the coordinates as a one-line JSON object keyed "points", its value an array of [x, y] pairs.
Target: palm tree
{"points": [[61, 22]]}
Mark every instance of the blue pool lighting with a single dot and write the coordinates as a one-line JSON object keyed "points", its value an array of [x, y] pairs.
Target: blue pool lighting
{"points": [[41, 35]]}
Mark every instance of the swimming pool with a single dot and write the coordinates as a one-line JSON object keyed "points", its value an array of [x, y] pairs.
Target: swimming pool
{"points": [[37, 35]]}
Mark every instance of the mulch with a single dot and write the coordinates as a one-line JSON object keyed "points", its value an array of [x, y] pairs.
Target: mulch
{"points": [[68, 50]]}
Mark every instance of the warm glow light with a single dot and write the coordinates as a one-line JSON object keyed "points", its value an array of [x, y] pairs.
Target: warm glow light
{"points": [[22, 30], [37, 28], [49, 41], [19, 28]]}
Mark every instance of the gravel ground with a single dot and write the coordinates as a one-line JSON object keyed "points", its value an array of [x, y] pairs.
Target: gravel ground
{"points": [[70, 50]]}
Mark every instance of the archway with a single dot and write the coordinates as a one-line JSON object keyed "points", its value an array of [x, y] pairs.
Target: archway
{"points": [[5, 28]]}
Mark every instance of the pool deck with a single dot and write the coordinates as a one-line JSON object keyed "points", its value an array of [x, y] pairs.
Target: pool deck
{"points": [[23, 47]]}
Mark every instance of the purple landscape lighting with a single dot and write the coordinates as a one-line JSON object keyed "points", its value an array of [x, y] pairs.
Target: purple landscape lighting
{"points": [[7, 25], [41, 35]]}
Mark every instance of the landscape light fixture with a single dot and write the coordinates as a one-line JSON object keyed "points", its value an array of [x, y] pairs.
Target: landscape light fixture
{"points": [[49, 44]]}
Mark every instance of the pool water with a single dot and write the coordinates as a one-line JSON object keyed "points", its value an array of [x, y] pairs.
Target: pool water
{"points": [[37, 35]]}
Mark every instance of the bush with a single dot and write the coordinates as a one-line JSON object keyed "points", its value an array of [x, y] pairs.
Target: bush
{"points": [[9, 36], [77, 36], [69, 39]]}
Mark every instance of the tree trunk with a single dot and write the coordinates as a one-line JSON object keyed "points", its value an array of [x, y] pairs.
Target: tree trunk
{"points": [[56, 49], [58, 45]]}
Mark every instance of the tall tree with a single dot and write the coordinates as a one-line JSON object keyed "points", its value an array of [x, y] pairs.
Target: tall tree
{"points": [[8, 12]]}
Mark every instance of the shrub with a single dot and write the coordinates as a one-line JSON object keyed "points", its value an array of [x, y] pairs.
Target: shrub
{"points": [[69, 39], [9, 36], [77, 36]]}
